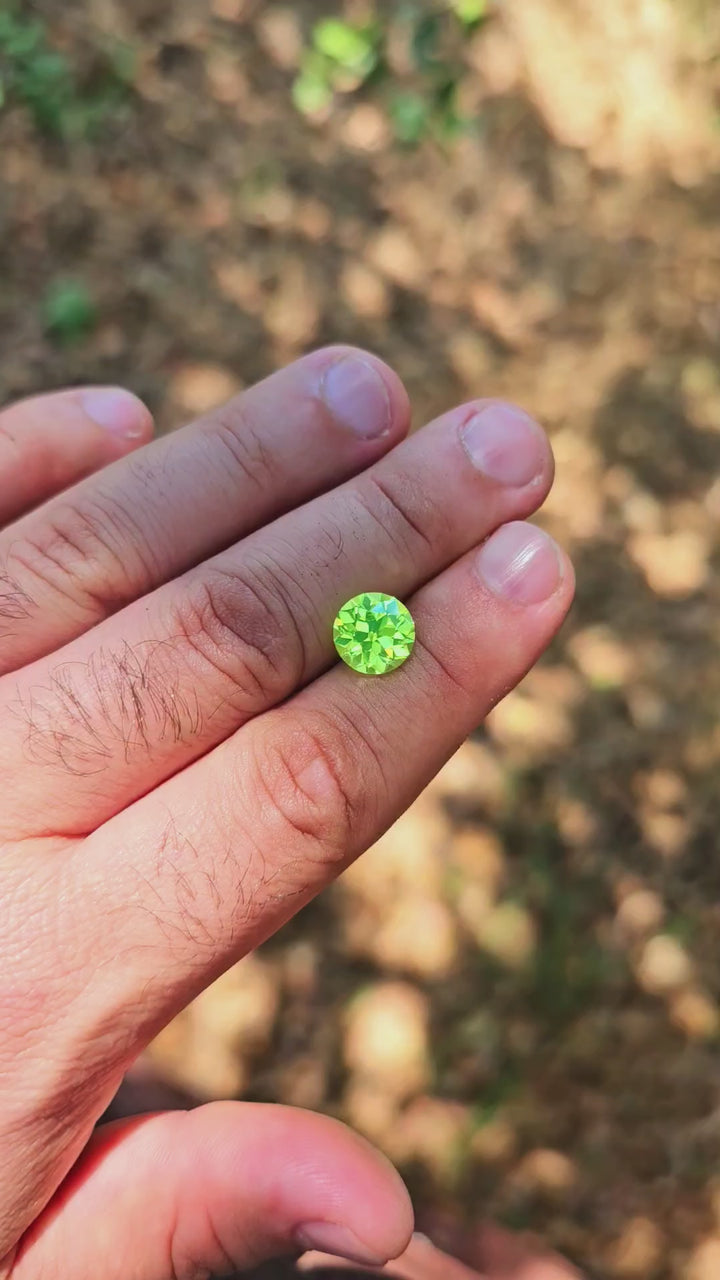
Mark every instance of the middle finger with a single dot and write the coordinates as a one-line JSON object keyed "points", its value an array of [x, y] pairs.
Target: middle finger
{"points": [[150, 690]]}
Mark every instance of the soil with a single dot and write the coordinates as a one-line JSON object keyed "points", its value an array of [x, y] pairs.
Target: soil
{"points": [[558, 1063]]}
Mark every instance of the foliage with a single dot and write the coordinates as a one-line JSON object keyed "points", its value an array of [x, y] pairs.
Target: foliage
{"points": [[344, 57], [471, 12], [341, 56], [68, 310], [42, 79]]}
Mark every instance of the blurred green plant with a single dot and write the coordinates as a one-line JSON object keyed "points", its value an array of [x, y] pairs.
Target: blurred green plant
{"points": [[68, 310], [470, 12], [41, 79], [344, 57], [571, 968]]}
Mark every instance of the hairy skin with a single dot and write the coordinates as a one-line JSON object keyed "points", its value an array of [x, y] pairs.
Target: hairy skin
{"points": [[184, 765], [118, 699], [15, 603]]}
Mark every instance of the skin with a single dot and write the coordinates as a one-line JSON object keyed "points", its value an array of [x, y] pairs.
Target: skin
{"points": [[184, 764], [487, 1252]]}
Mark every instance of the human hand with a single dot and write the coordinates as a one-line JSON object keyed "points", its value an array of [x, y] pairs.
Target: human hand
{"points": [[183, 767]]}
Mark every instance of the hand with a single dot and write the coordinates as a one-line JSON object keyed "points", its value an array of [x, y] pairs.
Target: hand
{"points": [[184, 765]]}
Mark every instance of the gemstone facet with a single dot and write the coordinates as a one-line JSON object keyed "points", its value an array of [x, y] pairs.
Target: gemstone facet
{"points": [[374, 633]]}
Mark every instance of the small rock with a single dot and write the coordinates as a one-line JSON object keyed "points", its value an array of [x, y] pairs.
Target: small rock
{"points": [[364, 291], [508, 933], [197, 388], [386, 1038], [494, 1142], [432, 1131], [695, 1013], [640, 912], [638, 1252], [704, 1261], [397, 257], [418, 936], [664, 966], [366, 128], [675, 565], [546, 1171], [279, 32]]}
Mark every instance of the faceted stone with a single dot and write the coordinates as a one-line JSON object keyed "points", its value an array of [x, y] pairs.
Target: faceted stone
{"points": [[374, 633]]}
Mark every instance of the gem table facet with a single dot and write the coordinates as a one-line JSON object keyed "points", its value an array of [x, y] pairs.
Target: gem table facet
{"points": [[374, 633]]}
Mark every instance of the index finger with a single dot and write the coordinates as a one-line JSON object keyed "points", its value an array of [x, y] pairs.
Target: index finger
{"points": [[51, 441]]}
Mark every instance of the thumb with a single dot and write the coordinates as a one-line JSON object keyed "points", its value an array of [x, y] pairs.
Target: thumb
{"points": [[215, 1190]]}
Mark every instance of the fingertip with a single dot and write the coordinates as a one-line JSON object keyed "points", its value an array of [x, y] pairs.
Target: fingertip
{"points": [[383, 1215], [523, 565], [325, 1182], [506, 444], [362, 393], [398, 398], [561, 602], [359, 1186], [121, 414]]}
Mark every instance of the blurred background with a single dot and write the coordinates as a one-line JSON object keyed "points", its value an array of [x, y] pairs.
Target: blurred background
{"points": [[517, 992]]}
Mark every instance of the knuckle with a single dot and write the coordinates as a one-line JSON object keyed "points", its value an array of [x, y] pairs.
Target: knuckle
{"points": [[449, 678], [245, 630], [403, 511], [311, 777], [83, 553], [240, 441]]}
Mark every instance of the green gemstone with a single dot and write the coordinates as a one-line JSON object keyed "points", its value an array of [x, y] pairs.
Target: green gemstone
{"points": [[374, 633]]}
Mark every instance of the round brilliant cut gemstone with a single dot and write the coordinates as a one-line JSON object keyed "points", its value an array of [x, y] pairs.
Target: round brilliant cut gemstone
{"points": [[374, 633]]}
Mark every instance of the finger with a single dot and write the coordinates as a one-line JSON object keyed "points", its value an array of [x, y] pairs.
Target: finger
{"points": [[50, 441], [146, 519], [216, 859], [420, 1261], [218, 1189], [148, 692], [518, 1257], [488, 1253]]}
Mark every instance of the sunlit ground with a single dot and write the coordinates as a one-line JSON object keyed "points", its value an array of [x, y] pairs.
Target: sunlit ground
{"points": [[516, 993]]}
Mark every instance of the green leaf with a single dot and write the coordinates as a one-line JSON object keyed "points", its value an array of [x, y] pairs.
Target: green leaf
{"points": [[410, 117], [69, 311], [470, 12], [311, 91], [425, 41], [44, 81], [353, 48], [123, 59], [19, 39]]}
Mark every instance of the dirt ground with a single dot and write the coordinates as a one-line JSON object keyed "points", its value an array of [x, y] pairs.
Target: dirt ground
{"points": [[517, 992]]}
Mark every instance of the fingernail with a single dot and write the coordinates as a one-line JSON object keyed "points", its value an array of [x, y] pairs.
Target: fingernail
{"points": [[505, 444], [357, 397], [330, 1237], [521, 563], [117, 411]]}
